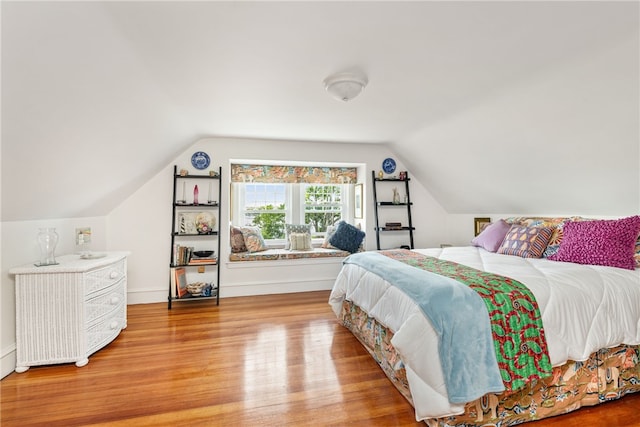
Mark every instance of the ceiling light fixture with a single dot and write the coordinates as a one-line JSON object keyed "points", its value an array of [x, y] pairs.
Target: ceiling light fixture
{"points": [[345, 86]]}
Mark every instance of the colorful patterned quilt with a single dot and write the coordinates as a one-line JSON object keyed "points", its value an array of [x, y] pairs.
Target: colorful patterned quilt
{"points": [[516, 323], [584, 309], [495, 316]]}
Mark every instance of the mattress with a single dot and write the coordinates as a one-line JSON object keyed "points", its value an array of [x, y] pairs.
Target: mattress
{"points": [[584, 309]]}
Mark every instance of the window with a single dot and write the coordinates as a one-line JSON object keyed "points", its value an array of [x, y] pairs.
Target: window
{"points": [[323, 206], [272, 205], [271, 196]]}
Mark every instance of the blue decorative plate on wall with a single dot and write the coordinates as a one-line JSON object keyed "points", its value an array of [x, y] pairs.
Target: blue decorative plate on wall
{"points": [[200, 160], [389, 165]]}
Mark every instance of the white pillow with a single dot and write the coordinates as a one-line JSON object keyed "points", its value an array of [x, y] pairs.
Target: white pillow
{"points": [[300, 242], [294, 228]]}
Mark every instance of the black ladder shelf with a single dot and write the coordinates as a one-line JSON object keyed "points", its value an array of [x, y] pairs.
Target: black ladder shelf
{"points": [[211, 238], [406, 203]]}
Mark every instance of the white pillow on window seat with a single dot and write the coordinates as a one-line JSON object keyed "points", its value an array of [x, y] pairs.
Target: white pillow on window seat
{"points": [[300, 242]]}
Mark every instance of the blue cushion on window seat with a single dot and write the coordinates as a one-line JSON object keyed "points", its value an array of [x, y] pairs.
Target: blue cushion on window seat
{"points": [[347, 237]]}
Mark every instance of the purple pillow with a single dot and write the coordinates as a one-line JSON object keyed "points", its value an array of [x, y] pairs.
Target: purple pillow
{"points": [[600, 242], [492, 236]]}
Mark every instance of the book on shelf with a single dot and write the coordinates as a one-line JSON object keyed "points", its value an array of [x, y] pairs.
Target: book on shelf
{"points": [[182, 254], [195, 261], [393, 225], [174, 292]]}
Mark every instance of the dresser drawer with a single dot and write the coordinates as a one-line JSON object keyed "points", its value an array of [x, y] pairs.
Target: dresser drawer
{"points": [[104, 277], [106, 329], [103, 302]]}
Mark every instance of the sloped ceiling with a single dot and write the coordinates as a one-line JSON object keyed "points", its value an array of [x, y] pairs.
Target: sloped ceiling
{"points": [[494, 106]]}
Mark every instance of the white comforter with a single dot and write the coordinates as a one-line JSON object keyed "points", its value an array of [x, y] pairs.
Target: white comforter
{"points": [[584, 308]]}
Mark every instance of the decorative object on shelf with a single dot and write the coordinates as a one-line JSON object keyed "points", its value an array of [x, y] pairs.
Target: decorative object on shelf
{"points": [[180, 281], [195, 289], [200, 160], [206, 292], [403, 175], [184, 172], [396, 196], [205, 222], [183, 200], [203, 254], [389, 165], [187, 223], [213, 174], [195, 195], [345, 86], [380, 175], [210, 194], [47, 240]]}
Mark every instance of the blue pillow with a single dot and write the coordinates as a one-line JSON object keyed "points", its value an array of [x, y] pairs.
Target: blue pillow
{"points": [[347, 237]]}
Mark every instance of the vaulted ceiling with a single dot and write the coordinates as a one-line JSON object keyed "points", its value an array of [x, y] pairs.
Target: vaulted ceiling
{"points": [[494, 106]]}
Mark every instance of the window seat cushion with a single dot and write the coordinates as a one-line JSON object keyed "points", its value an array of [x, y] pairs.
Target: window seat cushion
{"points": [[284, 254]]}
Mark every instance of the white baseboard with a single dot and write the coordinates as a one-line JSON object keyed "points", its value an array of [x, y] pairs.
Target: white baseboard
{"points": [[149, 296], [146, 296], [266, 288], [8, 361]]}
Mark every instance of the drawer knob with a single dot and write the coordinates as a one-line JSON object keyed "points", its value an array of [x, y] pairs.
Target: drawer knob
{"points": [[114, 300], [113, 275]]}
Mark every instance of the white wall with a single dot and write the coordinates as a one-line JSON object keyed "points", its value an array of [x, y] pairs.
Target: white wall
{"points": [[19, 246], [142, 224]]}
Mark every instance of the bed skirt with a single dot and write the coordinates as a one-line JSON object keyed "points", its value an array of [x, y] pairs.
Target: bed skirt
{"points": [[608, 374]]}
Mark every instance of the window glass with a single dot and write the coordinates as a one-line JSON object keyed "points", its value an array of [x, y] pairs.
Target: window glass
{"points": [[264, 205], [272, 205], [322, 206]]}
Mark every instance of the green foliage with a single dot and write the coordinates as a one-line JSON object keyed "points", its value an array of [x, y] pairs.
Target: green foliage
{"points": [[323, 198], [271, 224]]}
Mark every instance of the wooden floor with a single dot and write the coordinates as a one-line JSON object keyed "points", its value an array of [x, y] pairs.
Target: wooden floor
{"points": [[253, 361]]}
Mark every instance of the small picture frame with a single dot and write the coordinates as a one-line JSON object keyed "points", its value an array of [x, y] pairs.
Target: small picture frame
{"points": [[479, 224], [180, 282], [403, 175], [357, 201]]}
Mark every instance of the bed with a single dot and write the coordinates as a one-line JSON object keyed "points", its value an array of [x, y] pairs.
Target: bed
{"points": [[588, 332]]}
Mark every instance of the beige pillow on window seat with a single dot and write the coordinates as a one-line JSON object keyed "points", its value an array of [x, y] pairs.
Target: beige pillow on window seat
{"points": [[300, 242]]}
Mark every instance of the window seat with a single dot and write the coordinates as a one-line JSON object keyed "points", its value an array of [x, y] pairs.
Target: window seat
{"points": [[285, 254]]}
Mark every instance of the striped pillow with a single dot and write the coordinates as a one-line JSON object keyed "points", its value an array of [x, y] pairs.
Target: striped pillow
{"points": [[525, 242]]}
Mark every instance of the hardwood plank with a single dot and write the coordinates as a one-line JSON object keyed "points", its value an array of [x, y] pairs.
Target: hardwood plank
{"points": [[263, 360]]}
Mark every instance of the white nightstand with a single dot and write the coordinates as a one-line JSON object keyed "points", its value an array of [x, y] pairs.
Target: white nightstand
{"points": [[68, 311]]}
